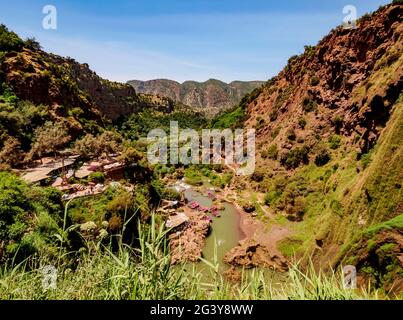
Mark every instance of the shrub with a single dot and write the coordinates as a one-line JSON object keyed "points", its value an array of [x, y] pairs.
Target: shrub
{"points": [[366, 160], [9, 41], [193, 177], [271, 197], [260, 123], [272, 152], [275, 132], [273, 115], [32, 44], [248, 207], [322, 157], [309, 51], [337, 121], [296, 210], [97, 177], [334, 141], [336, 207], [302, 122], [165, 193], [308, 104], [295, 157], [230, 119], [115, 224], [314, 81], [257, 176], [291, 135]]}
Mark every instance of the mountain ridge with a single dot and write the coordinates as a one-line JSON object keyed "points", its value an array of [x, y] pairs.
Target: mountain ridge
{"points": [[211, 96]]}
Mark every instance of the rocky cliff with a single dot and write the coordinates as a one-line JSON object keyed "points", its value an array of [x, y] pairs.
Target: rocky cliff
{"points": [[211, 96], [327, 131]]}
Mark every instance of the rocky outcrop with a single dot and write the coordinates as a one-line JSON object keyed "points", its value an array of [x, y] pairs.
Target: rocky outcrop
{"points": [[64, 84], [187, 241], [211, 96], [250, 254], [345, 85]]}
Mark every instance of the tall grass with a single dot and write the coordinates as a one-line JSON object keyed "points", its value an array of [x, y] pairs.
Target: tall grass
{"points": [[146, 273]]}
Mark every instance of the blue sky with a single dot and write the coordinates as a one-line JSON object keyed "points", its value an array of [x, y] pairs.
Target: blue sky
{"points": [[182, 39]]}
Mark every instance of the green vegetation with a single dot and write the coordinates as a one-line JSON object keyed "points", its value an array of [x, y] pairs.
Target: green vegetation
{"points": [[394, 223], [308, 104], [302, 122], [138, 125], [292, 159], [9, 41], [272, 152], [163, 192], [91, 146], [334, 141], [322, 157], [146, 273], [230, 119], [29, 218], [314, 81], [291, 135], [235, 117], [197, 175], [97, 177]]}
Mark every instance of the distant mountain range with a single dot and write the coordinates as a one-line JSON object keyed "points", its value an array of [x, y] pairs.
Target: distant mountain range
{"points": [[211, 96]]}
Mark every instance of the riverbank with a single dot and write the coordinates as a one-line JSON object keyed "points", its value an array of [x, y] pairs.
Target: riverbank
{"points": [[258, 248], [235, 239]]}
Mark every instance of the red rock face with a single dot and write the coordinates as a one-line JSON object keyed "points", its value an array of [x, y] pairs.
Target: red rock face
{"points": [[353, 74], [52, 80], [211, 96]]}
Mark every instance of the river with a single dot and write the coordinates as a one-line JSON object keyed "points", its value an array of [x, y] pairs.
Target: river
{"points": [[225, 230]]}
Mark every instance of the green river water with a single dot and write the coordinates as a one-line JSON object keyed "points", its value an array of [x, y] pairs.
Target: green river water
{"points": [[225, 230]]}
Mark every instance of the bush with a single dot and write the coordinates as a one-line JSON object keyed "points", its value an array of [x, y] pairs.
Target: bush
{"points": [[193, 177], [9, 41], [97, 177], [322, 157], [308, 104], [230, 119], [334, 141], [336, 207], [165, 193], [275, 132], [296, 210], [295, 157], [314, 81], [260, 123], [366, 160], [272, 197], [248, 207], [115, 224], [309, 51], [20, 233], [302, 122], [291, 135], [32, 44], [273, 115], [257, 176], [337, 121], [272, 152]]}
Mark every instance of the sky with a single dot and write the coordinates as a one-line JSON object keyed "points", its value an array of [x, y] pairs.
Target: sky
{"points": [[181, 40]]}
